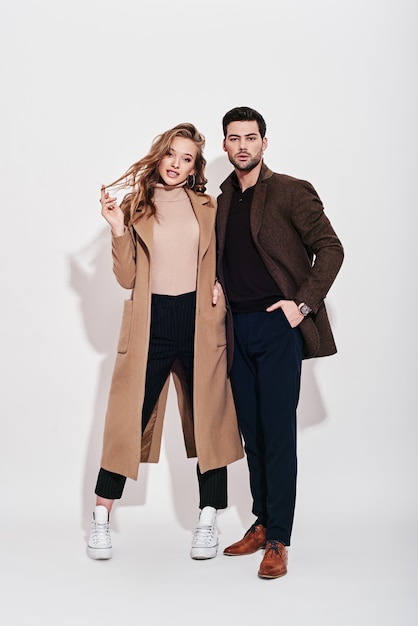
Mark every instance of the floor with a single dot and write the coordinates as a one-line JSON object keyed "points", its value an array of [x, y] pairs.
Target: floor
{"points": [[337, 577]]}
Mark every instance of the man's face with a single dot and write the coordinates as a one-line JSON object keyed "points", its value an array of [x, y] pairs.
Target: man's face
{"points": [[244, 145]]}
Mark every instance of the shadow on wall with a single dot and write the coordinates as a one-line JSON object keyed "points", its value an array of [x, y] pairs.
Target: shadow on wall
{"points": [[101, 300], [216, 172]]}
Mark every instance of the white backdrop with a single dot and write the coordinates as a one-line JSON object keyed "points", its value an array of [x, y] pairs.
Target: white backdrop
{"points": [[85, 88]]}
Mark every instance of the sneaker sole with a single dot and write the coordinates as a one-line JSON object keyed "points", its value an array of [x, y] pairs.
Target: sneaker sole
{"points": [[201, 554], [99, 554]]}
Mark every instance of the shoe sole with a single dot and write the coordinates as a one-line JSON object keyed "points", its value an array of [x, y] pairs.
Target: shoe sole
{"points": [[99, 554], [241, 553], [270, 577], [202, 554]]}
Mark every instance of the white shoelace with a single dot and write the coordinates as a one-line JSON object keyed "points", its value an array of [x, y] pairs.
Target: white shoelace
{"points": [[203, 535], [100, 534]]}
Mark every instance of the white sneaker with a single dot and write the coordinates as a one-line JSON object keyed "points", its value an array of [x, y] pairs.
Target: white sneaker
{"points": [[100, 543], [205, 539]]}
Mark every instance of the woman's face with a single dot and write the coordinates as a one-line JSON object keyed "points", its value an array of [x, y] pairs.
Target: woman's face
{"points": [[180, 161]]}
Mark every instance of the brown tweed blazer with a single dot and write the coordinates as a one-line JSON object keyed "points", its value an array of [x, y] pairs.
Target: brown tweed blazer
{"points": [[298, 246]]}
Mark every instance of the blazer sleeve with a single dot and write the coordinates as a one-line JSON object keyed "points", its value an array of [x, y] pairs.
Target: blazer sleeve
{"points": [[321, 241]]}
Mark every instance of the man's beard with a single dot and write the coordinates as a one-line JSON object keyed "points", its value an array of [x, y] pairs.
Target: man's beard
{"points": [[249, 165]]}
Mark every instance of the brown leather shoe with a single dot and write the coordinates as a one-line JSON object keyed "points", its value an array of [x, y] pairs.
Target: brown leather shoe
{"points": [[274, 563], [253, 540]]}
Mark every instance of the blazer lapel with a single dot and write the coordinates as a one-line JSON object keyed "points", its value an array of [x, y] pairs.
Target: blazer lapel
{"points": [[224, 203], [257, 208]]}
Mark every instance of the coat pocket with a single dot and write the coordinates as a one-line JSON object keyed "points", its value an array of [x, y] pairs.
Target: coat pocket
{"points": [[125, 329]]}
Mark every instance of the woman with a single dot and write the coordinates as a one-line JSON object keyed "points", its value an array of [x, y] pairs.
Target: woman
{"points": [[163, 247]]}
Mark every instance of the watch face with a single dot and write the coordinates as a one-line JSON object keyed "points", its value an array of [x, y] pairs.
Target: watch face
{"points": [[305, 310]]}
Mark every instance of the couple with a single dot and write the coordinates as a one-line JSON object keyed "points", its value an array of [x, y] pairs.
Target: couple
{"points": [[274, 256]]}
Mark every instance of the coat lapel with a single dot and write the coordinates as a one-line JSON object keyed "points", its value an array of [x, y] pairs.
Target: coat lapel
{"points": [[145, 230], [205, 215]]}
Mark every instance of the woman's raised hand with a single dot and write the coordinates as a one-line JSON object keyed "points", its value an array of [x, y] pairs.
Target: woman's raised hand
{"points": [[112, 213]]}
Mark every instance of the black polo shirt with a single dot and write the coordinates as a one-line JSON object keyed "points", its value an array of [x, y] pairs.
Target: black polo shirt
{"points": [[248, 283]]}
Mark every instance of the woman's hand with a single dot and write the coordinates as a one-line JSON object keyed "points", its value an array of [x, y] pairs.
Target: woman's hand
{"points": [[112, 213]]}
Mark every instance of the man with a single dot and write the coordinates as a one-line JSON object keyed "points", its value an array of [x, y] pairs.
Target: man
{"points": [[278, 257]]}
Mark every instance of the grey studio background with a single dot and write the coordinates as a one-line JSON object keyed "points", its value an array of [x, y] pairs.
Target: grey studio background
{"points": [[85, 88]]}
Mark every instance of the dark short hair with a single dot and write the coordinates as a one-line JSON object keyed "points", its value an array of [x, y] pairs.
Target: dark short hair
{"points": [[244, 114]]}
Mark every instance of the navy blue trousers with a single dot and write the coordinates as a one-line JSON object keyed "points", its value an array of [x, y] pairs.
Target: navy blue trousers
{"points": [[265, 379], [171, 338]]}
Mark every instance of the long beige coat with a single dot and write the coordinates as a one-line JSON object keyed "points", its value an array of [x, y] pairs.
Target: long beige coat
{"points": [[210, 429]]}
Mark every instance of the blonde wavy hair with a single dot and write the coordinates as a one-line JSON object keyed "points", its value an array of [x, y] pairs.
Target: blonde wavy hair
{"points": [[143, 175]]}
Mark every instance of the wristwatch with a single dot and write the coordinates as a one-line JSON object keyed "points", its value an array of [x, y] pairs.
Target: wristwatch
{"points": [[304, 309]]}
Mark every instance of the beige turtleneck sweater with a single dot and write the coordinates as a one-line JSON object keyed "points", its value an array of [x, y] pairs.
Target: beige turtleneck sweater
{"points": [[176, 243]]}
